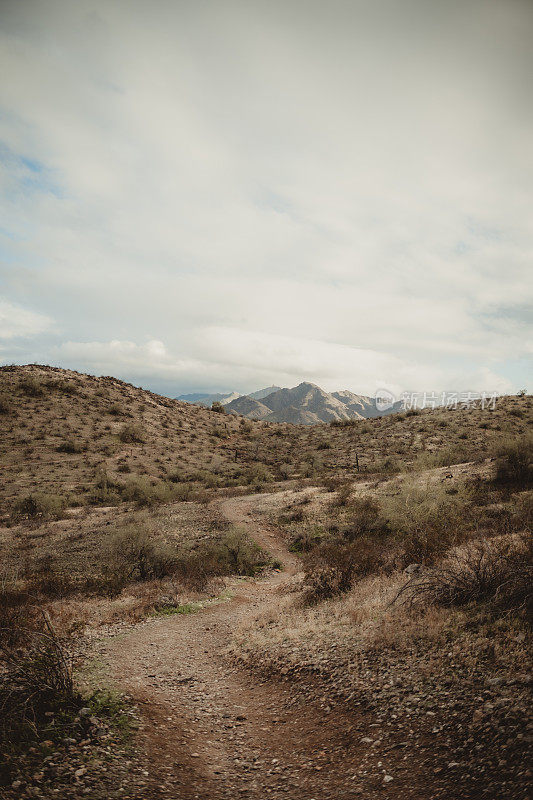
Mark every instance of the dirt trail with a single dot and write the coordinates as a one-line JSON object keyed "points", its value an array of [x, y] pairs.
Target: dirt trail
{"points": [[212, 729]]}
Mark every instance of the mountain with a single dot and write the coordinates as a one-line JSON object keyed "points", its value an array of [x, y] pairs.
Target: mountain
{"points": [[247, 406], [358, 404], [306, 404], [207, 400], [264, 392]]}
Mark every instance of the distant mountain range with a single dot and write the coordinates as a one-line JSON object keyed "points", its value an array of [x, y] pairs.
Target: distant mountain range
{"points": [[305, 404]]}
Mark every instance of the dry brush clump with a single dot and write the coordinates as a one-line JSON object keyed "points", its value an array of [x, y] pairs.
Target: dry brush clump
{"points": [[498, 572], [136, 554], [356, 535], [514, 463], [38, 506], [332, 567], [36, 677]]}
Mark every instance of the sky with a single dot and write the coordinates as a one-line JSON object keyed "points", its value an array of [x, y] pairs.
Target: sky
{"points": [[223, 195]]}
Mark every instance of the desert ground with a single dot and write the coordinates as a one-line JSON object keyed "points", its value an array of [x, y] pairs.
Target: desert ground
{"points": [[198, 605]]}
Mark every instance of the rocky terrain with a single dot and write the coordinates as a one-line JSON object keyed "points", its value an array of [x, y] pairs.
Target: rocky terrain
{"points": [[196, 604]]}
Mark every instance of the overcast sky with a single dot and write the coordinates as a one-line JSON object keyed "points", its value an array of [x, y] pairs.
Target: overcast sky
{"points": [[214, 194]]}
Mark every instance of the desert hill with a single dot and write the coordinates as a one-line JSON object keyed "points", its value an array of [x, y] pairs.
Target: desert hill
{"points": [[79, 439], [374, 571]]}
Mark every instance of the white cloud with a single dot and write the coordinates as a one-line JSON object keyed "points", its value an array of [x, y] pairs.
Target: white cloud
{"points": [[338, 192], [20, 322], [230, 357]]}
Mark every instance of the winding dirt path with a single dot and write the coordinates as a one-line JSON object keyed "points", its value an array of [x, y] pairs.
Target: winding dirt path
{"points": [[214, 730]]}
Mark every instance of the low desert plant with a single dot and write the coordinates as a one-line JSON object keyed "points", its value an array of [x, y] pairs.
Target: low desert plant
{"points": [[32, 387], [135, 553], [364, 516], [343, 495], [234, 554], [35, 680], [70, 446], [38, 505], [131, 434], [5, 405], [331, 568], [514, 463], [499, 572], [426, 524]]}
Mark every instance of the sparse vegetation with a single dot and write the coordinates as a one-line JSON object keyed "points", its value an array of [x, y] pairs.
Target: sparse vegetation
{"points": [[38, 506], [110, 502], [514, 463], [5, 406], [499, 572], [131, 434]]}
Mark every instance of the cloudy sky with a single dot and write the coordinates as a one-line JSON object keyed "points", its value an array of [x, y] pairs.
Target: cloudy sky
{"points": [[223, 194]]}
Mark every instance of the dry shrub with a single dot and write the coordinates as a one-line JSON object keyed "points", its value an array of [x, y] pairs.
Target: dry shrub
{"points": [[70, 446], [5, 405], [234, 554], [62, 385], [135, 554], [131, 434], [514, 463], [35, 668], [427, 523], [32, 387], [145, 493], [38, 505], [364, 516], [343, 495], [331, 568], [499, 572]]}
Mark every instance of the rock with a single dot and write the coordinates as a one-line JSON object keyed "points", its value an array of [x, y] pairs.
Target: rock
{"points": [[387, 778], [411, 569]]}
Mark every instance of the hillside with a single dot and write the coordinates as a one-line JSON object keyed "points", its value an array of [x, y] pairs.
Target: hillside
{"points": [[257, 608], [79, 439]]}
